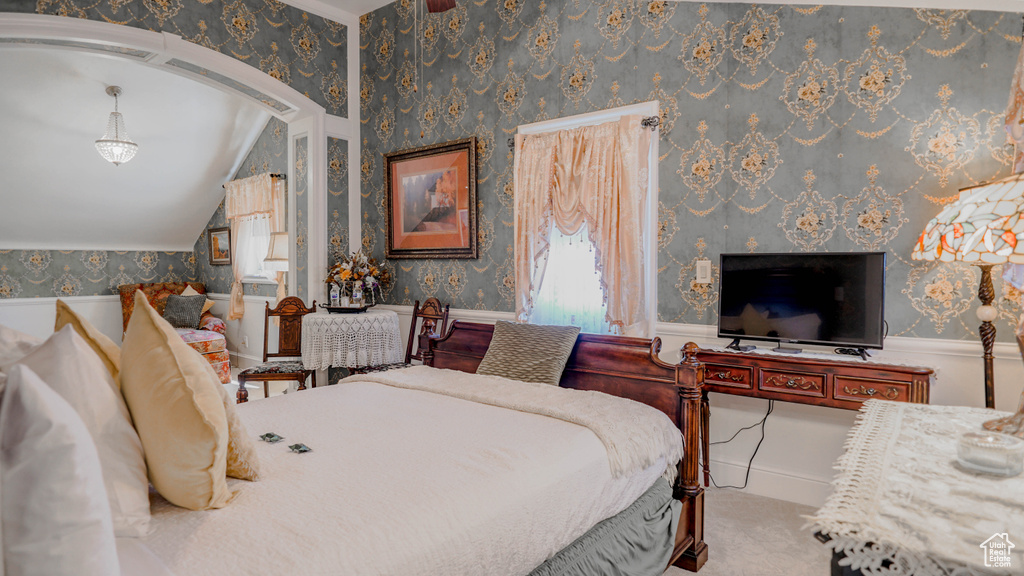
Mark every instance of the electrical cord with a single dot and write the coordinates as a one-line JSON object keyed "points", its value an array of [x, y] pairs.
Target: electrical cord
{"points": [[746, 478]]}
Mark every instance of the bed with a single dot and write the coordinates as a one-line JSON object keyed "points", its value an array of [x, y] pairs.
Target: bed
{"points": [[409, 473]]}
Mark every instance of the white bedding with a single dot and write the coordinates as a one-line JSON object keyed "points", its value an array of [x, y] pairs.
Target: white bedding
{"points": [[471, 489]]}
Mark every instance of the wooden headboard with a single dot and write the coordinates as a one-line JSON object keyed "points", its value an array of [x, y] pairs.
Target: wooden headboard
{"points": [[628, 368]]}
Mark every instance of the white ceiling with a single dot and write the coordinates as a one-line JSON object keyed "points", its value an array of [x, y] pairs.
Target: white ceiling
{"points": [[56, 192], [359, 7]]}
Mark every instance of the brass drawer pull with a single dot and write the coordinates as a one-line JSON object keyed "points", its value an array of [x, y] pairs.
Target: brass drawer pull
{"points": [[794, 382], [890, 392], [724, 376]]}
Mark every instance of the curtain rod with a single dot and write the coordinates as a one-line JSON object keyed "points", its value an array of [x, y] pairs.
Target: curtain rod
{"points": [[279, 176], [651, 122]]}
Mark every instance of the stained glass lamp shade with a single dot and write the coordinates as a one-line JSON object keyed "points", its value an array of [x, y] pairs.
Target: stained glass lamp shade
{"points": [[982, 227], [115, 146]]}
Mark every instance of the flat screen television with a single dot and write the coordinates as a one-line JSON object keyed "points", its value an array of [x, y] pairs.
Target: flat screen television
{"points": [[825, 298]]}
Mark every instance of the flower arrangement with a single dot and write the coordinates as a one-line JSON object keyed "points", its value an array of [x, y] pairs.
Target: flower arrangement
{"points": [[358, 268]]}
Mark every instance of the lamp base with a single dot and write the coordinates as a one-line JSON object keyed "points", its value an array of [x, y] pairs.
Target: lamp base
{"points": [[1012, 425]]}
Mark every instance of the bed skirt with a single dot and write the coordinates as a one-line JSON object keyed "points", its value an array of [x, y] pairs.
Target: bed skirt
{"points": [[637, 541]]}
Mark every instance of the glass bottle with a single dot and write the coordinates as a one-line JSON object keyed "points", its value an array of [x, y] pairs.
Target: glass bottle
{"points": [[335, 294]]}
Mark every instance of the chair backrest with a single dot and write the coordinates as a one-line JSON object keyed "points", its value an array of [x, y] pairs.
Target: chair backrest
{"points": [[289, 311], [435, 320]]}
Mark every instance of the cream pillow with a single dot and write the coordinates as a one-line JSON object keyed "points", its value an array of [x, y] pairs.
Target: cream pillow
{"points": [[14, 345], [242, 460], [190, 291], [69, 366], [53, 508], [171, 392], [104, 347]]}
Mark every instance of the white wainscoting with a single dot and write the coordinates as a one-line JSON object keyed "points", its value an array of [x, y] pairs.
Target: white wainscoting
{"points": [[36, 316], [802, 442]]}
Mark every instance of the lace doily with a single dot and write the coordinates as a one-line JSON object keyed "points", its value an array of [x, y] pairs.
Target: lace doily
{"points": [[901, 505], [370, 338]]}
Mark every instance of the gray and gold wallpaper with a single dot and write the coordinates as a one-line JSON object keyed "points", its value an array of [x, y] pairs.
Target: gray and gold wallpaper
{"points": [[301, 185], [783, 128], [63, 273], [268, 154], [305, 51], [337, 201]]}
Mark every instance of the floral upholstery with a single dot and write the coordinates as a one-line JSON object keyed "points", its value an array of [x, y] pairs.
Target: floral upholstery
{"points": [[203, 341], [208, 341], [289, 367], [212, 323]]}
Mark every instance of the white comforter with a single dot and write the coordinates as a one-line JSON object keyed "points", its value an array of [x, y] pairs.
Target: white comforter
{"points": [[400, 482]]}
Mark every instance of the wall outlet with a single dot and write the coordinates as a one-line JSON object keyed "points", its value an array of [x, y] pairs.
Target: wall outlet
{"points": [[703, 271], [245, 341]]}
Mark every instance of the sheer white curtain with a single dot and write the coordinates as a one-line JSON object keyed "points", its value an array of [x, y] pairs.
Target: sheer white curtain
{"points": [[254, 241], [570, 293], [255, 208]]}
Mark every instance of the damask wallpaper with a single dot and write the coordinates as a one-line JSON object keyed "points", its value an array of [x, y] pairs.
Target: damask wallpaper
{"points": [[268, 154], [783, 128], [300, 182], [62, 273], [305, 51], [337, 200]]}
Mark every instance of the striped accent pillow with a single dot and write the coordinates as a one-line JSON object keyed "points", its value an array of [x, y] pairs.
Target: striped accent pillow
{"points": [[529, 352], [184, 311]]}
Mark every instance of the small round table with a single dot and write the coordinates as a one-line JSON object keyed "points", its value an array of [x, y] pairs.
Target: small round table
{"points": [[368, 338]]}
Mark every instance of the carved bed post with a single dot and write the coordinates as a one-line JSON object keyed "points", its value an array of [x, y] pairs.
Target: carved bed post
{"points": [[689, 382]]}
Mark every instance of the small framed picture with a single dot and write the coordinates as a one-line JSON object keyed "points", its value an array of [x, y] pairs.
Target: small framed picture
{"points": [[220, 246], [431, 201]]}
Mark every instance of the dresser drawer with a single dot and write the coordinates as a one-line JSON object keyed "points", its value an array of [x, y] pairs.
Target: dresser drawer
{"points": [[861, 389], [795, 383], [732, 376]]}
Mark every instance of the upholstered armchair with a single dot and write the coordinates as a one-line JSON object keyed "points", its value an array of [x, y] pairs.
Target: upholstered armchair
{"points": [[208, 340]]}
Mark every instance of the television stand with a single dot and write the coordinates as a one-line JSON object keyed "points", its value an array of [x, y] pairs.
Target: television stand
{"points": [[735, 345], [837, 382]]}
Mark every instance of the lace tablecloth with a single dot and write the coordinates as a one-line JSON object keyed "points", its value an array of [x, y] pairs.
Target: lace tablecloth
{"points": [[369, 338], [901, 497]]}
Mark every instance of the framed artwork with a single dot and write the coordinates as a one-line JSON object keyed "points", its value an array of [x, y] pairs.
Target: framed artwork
{"points": [[220, 246], [431, 201]]}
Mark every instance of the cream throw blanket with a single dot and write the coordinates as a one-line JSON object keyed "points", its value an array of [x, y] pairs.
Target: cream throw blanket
{"points": [[634, 434]]}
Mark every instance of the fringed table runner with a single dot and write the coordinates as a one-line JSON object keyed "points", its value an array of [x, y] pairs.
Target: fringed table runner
{"points": [[901, 504]]}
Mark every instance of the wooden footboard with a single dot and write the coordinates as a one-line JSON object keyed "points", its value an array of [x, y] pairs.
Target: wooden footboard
{"points": [[628, 368]]}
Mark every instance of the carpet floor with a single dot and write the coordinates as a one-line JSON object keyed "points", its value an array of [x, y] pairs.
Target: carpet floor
{"points": [[750, 535]]}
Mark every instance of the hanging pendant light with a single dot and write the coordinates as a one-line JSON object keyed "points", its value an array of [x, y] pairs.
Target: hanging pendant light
{"points": [[115, 146]]}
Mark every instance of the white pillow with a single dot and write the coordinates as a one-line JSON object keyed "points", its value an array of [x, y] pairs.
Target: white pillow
{"points": [[14, 345], [53, 508], [71, 368]]}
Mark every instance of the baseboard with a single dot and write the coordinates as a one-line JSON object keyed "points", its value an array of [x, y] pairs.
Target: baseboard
{"points": [[772, 483], [52, 300]]}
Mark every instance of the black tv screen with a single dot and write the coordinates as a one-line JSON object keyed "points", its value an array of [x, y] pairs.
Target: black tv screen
{"points": [[812, 298]]}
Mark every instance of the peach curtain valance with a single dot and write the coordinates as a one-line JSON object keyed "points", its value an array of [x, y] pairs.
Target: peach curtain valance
{"points": [[593, 175], [253, 197]]}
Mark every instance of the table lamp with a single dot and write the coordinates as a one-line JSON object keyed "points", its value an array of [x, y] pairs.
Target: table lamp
{"points": [[982, 227], [277, 253]]}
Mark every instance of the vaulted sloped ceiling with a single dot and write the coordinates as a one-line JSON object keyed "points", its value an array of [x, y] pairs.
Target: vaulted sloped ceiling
{"points": [[56, 192]]}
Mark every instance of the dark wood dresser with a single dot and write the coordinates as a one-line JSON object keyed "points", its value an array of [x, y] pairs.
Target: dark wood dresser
{"points": [[813, 379]]}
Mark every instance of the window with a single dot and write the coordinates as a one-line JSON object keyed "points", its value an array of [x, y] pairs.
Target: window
{"points": [[570, 293], [253, 243], [567, 288]]}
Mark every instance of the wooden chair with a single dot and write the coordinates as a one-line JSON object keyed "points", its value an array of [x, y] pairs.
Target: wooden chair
{"points": [[289, 345], [431, 314]]}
